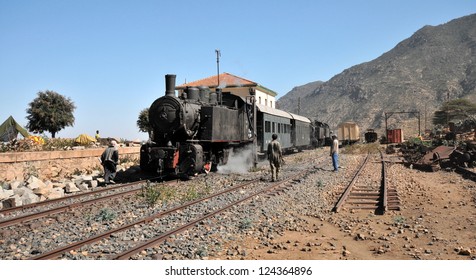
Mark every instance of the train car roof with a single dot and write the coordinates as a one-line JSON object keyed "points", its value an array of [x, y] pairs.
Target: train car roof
{"points": [[277, 112], [281, 113], [273, 111], [300, 118], [347, 122]]}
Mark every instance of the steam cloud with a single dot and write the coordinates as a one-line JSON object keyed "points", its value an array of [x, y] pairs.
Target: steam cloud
{"points": [[239, 161]]}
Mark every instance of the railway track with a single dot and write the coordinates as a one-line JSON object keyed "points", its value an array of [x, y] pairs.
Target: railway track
{"points": [[367, 191], [154, 222], [24, 213], [272, 188], [81, 232], [15, 215]]}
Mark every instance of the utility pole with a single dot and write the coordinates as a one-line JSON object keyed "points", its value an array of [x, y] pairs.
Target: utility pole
{"points": [[217, 51], [425, 119], [251, 99]]}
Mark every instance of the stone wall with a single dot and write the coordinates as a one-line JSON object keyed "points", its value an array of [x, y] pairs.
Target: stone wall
{"points": [[50, 165]]}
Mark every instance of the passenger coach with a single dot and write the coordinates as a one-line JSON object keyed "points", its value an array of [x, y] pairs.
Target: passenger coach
{"points": [[294, 132]]}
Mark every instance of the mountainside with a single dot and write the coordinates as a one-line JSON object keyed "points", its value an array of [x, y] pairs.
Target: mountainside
{"points": [[436, 64]]}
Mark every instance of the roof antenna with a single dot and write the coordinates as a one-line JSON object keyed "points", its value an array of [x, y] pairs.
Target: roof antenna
{"points": [[218, 66]]}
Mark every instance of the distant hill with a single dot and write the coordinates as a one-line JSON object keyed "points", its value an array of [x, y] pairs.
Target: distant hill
{"points": [[297, 93], [435, 64]]}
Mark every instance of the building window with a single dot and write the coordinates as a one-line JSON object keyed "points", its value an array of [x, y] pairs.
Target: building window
{"points": [[267, 126], [271, 104], [266, 102], [259, 100]]}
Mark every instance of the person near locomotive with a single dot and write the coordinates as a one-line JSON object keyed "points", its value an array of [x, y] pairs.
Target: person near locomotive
{"points": [[109, 160], [335, 153], [275, 157]]}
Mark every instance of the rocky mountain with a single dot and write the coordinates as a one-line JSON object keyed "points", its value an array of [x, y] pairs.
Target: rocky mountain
{"points": [[434, 65]]}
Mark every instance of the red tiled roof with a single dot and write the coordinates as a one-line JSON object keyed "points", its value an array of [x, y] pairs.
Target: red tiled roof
{"points": [[226, 80]]}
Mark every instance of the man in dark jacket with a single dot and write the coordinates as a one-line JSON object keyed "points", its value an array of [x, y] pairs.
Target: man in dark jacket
{"points": [[109, 160], [275, 157]]}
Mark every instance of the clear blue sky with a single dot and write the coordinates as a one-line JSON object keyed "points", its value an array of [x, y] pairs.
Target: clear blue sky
{"points": [[110, 57]]}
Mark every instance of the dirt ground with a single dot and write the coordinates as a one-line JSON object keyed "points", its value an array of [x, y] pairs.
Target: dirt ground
{"points": [[436, 222]]}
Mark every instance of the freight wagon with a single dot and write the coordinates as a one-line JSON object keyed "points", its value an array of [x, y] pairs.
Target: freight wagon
{"points": [[348, 133]]}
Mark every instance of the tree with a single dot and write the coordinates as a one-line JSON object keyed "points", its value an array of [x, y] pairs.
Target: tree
{"points": [[143, 121], [50, 112], [455, 110]]}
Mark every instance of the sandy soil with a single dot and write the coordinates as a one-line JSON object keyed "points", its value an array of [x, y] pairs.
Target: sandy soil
{"points": [[436, 222]]}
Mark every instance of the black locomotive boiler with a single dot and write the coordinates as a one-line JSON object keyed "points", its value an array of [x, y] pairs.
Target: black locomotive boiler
{"points": [[322, 134], [197, 130]]}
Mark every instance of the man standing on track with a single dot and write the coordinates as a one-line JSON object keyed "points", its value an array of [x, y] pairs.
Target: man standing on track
{"points": [[275, 157], [335, 153]]}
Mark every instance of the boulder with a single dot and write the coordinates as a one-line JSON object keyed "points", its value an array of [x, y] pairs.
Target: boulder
{"points": [[34, 183], [83, 187], [55, 193], [43, 190], [70, 187], [93, 183], [29, 197], [5, 194], [15, 184]]}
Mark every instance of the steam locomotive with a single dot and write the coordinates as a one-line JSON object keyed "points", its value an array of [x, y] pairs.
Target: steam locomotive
{"points": [[197, 130]]}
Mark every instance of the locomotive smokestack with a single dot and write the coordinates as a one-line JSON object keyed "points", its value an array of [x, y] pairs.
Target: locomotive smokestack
{"points": [[170, 85]]}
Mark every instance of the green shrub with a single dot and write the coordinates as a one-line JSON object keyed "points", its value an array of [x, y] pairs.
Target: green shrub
{"points": [[105, 215], [153, 193]]}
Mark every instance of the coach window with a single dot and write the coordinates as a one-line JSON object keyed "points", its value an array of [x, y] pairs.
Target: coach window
{"points": [[267, 126], [274, 127], [279, 128]]}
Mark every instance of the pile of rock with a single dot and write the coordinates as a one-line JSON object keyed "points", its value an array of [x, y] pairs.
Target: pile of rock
{"points": [[17, 193]]}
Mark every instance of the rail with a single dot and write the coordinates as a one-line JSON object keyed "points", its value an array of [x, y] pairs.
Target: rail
{"points": [[380, 198]]}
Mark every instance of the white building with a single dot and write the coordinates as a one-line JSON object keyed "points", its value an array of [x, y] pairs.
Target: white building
{"points": [[235, 85]]}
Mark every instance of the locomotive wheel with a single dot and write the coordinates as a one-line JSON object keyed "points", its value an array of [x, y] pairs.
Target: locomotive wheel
{"points": [[224, 158], [213, 159], [188, 166], [145, 163]]}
